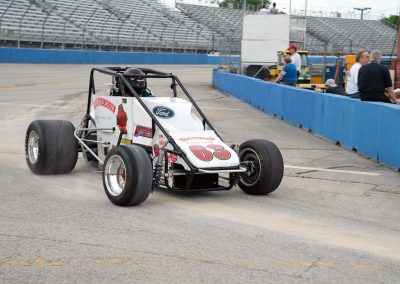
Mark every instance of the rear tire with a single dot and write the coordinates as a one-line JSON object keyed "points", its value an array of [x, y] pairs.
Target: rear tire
{"points": [[265, 167], [127, 175], [50, 147]]}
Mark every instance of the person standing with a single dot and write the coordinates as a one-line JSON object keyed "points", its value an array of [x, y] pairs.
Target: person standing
{"points": [[295, 57], [362, 58], [374, 81], [288, 74], [273, 10]]}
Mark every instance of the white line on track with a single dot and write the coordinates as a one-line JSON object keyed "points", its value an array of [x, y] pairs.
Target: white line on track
{"points": [[334, 171], [221, 108], [32, 105]]}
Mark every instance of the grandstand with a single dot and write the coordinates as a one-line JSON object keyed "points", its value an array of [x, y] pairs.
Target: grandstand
{"points": [[146, 25], [106, 25], [348, 35]]}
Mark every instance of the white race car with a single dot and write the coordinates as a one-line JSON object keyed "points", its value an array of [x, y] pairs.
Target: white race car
{"points": [[143, 142]]}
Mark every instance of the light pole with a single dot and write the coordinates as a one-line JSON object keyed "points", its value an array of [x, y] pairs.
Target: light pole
{"points": [[362, 11]]}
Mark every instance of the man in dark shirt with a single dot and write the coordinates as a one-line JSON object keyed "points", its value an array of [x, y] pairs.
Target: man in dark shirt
{"points": [[374, 81]]}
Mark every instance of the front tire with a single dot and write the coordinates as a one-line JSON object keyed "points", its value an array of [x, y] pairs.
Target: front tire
{"points": [[50, 147], [127, 175], [265, 167]]}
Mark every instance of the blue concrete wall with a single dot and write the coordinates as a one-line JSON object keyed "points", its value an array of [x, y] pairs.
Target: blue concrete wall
{"points": [[313, 59], [56, 56], [215, 60], [53, 56], [373, 129]]}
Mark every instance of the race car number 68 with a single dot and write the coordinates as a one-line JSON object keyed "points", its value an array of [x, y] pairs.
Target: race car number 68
{"points": [[203, 154]]}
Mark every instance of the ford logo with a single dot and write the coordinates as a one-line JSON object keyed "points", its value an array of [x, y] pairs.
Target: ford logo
{"points": [[163, 112]]}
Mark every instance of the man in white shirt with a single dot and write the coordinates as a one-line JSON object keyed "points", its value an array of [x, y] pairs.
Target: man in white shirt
{"points": [[273, 10], [296, 58], [362, 58]]}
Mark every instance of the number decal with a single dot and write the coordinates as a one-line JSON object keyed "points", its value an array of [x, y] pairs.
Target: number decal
{"points": [[220, 152], [203, 154]]}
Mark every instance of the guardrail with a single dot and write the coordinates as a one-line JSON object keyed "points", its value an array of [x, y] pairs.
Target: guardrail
{"points": [[370, 128]]}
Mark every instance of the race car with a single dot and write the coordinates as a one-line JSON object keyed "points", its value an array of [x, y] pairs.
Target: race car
{"points": [[143, 142]]}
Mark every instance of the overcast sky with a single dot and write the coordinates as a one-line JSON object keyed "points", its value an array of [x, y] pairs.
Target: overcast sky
{"points": [[378, 7]]}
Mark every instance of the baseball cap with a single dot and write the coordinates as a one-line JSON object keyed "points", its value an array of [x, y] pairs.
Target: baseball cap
{"points": [[293, 46], [330, 83]]}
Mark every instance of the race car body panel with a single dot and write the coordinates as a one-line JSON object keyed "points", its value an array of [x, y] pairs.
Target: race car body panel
{"points": [[203, 148]]}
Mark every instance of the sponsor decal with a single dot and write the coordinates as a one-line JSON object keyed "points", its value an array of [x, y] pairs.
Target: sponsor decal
{"points": [[156, 150], [205, 154], [143, 131], [197, 138], [172, 158], [163, 112], [122, 119], [126, 141], [104, 103]]}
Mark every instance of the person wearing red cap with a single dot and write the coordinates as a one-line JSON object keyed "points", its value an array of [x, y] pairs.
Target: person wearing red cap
{"points": [[296, 58]]}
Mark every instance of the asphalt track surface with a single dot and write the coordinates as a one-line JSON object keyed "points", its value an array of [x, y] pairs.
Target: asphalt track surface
{"points": [[334, 219]]}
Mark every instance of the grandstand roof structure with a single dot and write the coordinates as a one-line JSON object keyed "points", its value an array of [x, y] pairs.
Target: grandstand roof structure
{"points": [[147, 25]]}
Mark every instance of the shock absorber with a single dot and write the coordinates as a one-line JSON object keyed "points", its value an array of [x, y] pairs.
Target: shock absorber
{"points": [[157, 170]]}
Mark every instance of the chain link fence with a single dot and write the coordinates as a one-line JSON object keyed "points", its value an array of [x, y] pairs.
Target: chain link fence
{"points": [[229, 56]]}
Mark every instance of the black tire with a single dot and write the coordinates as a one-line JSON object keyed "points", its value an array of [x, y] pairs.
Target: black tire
{"points": [[127, 175], [267, 171], [56, 151]]}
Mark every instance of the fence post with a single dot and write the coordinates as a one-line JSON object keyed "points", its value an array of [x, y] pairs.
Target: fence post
{"points": [[44, 23], [101, 31], [65, 23], [20, 24], [84, 28], [134, 32], [149, 32]]}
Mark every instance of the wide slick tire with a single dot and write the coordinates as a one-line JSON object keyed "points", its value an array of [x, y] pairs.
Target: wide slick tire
{"points": [[127, 175], [265, 167], [50, 147]]}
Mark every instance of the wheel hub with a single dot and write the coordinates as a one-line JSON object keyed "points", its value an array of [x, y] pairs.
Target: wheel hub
{"points": [[115, 175], [252, 161], [33, 147]]}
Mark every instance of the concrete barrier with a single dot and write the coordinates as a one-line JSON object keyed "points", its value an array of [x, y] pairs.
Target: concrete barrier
{"points": [[50, 56], [372, 129], [57, 56]]}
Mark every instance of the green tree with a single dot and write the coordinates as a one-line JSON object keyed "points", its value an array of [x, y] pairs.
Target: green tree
{"points": [[238, 4], [392, 20]]}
